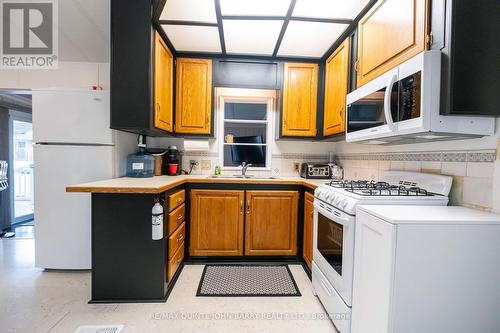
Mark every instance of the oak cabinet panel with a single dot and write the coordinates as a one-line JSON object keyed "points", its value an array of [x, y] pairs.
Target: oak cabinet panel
{"points": [[216, 223], [163, 85], [390, 33], [175, 262], [271, 223], [193, 96], [300, 93], [307, 251], [336, 79]]}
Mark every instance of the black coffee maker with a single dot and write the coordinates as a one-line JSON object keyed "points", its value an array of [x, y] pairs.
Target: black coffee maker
{"points": [[173, 162]]}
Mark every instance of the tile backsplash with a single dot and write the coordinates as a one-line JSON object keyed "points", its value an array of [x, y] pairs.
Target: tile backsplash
{"points": [[472, 171], [281, 164]]}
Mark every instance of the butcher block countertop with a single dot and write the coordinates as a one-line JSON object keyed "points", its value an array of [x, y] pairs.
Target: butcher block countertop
{"points": [[159, 184]]}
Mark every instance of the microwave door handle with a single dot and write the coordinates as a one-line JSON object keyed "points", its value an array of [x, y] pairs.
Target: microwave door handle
{"points": [[387, 102]]}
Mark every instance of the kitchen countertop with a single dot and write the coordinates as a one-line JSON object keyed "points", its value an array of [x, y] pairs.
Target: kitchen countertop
{"points": [[159, 184]]}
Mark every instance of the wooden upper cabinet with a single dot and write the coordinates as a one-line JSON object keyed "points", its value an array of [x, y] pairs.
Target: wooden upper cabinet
{"points": [[271, 223], [307, 251], [193, 96], [392, 32], [336, 79], [163, 85], [300, 93], [216, 223]]}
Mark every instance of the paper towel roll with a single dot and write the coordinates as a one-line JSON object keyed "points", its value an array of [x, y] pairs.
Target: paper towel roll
{"points": [[195, 145]]}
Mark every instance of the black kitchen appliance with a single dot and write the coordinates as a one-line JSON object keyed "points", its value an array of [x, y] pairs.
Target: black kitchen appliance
{"points": [[315, 171], [172, 158]]}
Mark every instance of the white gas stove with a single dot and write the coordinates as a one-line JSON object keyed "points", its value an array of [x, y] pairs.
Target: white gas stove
{"points": [[395, 188], [335, 221]]}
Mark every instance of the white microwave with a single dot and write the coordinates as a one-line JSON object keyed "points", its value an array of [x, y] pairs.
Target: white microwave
{"points": [[403, 106]]}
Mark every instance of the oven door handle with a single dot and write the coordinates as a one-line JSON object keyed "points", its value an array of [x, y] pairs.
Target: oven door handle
{"points": [[387, 102]]}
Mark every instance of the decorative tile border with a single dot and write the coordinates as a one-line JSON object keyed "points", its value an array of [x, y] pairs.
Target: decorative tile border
{"points": [[199, 153], [486, 156], [301, 156]]}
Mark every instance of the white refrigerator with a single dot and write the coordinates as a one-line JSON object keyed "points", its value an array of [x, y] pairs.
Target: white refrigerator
{"points": [[73, 144]]}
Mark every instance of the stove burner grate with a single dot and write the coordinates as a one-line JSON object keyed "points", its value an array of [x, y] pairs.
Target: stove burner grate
{"points": [[372, 188]]}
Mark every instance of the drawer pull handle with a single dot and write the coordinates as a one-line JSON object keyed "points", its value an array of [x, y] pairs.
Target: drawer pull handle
{"points": [[179, 259], [180, 239], [179, 217], [248, 206], [179, 200]]}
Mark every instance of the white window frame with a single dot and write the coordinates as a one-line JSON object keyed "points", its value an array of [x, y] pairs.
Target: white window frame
{"points": [[234, 95]]}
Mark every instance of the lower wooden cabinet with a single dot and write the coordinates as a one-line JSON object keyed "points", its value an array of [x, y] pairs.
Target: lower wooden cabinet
{"points": [[216, 223], [175, 262], [271, 223], [307, 251]]}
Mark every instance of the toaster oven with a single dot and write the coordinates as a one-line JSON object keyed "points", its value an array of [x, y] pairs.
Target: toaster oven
{"points": [[315, 171]]}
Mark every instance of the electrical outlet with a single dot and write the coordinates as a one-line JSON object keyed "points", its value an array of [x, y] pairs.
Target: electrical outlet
{"points": [[206, 164], [296, 166], [195, 164]]}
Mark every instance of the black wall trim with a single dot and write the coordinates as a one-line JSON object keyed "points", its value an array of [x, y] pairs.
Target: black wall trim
{"points": [[321, 20], [283, 28], [196, 23], [221, 28], [253, 17]]}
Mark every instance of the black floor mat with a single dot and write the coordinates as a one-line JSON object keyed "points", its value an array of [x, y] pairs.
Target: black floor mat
{"points": [[247, 280]]}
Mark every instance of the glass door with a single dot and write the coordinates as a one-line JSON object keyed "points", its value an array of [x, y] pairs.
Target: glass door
{"points": [[22, 162], [368, 112], [330, 241]]}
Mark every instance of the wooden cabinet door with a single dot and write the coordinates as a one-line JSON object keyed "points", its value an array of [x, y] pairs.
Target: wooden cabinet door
{"points": [[392, 32], [193, 96], [336, 77], [216, 223], [271, 223], [163, 85], [300, 93], [307, 251]]}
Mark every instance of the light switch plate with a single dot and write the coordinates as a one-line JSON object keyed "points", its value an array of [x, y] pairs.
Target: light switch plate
{"points": [[206, 164]]}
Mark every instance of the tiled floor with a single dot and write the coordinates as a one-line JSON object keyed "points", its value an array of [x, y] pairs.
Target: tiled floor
{"points": [[32, 300]]}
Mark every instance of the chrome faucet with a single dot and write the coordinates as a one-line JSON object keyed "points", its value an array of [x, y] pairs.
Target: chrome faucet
{"points": [[244, 167]]}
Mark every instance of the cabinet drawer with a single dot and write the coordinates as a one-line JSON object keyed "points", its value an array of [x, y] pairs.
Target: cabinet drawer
{"points": [[176, 199], [175, 218], [176, 240], [174, 263]]}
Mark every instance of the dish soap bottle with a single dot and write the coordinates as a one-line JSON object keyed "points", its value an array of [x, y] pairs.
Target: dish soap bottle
{"points": [[141, 163]]}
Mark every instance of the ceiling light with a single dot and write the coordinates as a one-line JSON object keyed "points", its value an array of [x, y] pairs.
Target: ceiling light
{"points": [[190, 38], [309, 39], [189, 10], [251, 36], [254, 7], [334, 9]]}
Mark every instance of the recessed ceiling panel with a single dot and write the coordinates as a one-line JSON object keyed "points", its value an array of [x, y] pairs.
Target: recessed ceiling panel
{"points": [[193, 38], [251, 36], [189, 10], [254, 7], [309, 39], [339, 9]]}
